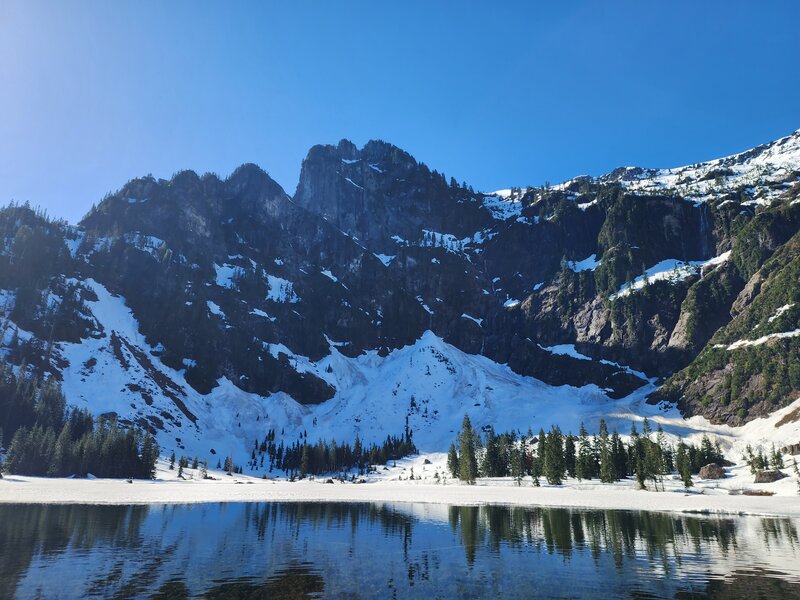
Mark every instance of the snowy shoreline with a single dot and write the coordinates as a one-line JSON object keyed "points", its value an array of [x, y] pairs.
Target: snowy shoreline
{"points": [[586, 495]]}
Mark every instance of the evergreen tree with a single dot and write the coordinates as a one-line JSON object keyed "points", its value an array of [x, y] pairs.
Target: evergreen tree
{"points": [[652, 460], [150, 453], [619, 456], [172, 461], [684, 465], [305, 459], [554, 457], [467, 465], [452, 460], [775, 459], [640, 472], [541, 450], [584, 461], [569, 455], [707, 451], [490, 466], [517, 463], [607, 471]]}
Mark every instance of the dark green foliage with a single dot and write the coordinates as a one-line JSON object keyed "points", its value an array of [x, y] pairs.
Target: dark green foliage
{"points": [[684, 465], [569, 455], [324, 456], [554, 457], [764, 376], [647, 457], [775, 459], [452, 461], [107, 451], [518, 463], [48, 440], [467, 464], [584, 463], [608, 473], [760, 236]]}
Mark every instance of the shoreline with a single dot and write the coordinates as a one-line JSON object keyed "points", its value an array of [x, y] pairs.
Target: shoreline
{"points": [[46, 491]]}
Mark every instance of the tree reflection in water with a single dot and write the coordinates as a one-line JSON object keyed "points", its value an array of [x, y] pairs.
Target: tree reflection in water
{"points": [[308, 550]]}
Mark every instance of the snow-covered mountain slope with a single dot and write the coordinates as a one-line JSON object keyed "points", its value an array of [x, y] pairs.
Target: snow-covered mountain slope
{"points": [[211, 310], [763, 174], [430, 383]]}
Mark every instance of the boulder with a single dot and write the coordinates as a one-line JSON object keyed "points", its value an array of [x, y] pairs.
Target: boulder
{"points": [[769, 476], [712, 471], [792, 449]]}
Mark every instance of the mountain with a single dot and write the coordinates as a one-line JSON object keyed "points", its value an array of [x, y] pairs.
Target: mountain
{"points": [[210, 310]]}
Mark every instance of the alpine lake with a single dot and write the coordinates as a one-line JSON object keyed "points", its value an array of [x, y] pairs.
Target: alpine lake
{"points": [[352, 551]]}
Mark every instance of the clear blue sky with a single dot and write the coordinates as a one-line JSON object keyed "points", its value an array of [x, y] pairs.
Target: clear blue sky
{"points": [[95, 93]]}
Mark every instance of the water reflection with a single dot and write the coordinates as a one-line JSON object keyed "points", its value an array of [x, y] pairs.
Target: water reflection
{"points": [[312, 550]]}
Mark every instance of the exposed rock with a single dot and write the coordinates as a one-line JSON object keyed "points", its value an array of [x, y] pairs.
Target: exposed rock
{"points": [[712, 471], [792, 449], [746, 296], [769, 476]]}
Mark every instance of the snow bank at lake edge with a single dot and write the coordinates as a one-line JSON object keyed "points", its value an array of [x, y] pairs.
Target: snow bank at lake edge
{"points": [[707, 497]]}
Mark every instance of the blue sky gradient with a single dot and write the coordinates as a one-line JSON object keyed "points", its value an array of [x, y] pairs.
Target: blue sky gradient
{"points": [[95, 93]]}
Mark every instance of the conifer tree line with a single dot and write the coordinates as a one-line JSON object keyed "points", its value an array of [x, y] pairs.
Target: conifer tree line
{"points": [[303, 458], [761, 461], [43, 437], [553, 455]]}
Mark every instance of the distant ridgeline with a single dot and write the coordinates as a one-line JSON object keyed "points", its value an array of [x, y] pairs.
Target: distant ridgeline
{"points": [[44, 437]]}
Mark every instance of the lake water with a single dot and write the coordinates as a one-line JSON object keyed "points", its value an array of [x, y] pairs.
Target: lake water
{"points": [[329, 550]]}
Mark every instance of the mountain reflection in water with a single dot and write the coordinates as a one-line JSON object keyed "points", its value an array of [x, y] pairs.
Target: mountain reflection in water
{"points": [[340, 550]]}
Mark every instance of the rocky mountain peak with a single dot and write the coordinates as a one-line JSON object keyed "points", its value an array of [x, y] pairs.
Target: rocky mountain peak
{"points": [[196, 290]]}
